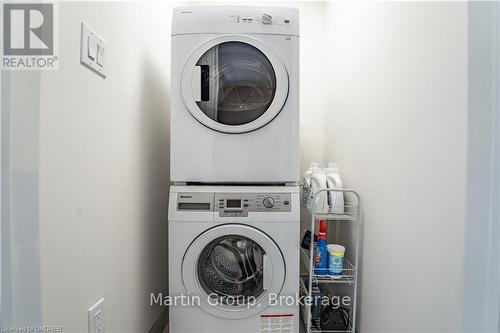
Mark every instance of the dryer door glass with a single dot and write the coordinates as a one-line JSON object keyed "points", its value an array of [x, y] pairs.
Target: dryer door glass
{"points": [[231, 269], [238, 83]]}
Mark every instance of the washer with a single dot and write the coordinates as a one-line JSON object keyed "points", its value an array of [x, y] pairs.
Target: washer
{"points": [[235, 251], [235, 95]]}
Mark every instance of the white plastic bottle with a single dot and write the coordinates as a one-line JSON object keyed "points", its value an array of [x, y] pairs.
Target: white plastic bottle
{"points": [[306, 180], [318, 182], [335, 199], [308, 173]]}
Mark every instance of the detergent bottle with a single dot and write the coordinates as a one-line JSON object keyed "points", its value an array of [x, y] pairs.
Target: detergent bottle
{"points": [[335, 199], [318, 183], [306, 179]]}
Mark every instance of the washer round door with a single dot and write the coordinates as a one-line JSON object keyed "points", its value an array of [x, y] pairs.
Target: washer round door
{"points": [[233, 268], [234, 84]]}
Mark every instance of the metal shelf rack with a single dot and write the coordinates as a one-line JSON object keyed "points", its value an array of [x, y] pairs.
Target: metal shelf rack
{"points": [[347, 229]]}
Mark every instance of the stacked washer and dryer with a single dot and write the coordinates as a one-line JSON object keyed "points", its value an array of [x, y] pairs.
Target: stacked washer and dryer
{"points": [[234, 207]]}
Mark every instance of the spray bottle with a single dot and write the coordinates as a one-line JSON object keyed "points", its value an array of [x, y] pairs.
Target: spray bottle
{"points": [[320, 251]]}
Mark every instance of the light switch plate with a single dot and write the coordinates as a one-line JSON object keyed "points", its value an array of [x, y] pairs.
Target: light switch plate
{"points": [[96, 317], [92, 47], [88, 35]]}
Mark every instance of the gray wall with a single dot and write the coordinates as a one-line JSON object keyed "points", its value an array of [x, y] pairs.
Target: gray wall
{"points": [[20, 230], [482, 261]]}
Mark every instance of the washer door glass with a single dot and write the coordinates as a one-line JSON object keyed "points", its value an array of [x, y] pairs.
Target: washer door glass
{"points": [[234, 84], [231, 268], [238, 83]]}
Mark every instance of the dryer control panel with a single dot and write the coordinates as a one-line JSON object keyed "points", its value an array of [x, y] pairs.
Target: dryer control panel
{"points": [[235, 204], [235, 20]]}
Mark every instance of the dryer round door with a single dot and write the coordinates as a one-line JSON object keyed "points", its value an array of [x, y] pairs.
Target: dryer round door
{"points": [[233, 268], [234, 84]]}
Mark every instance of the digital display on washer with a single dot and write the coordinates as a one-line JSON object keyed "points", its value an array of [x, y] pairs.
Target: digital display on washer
{"points": [[233, 203]]}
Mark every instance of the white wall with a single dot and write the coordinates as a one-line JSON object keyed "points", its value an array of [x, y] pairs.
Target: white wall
{"points": [[397, 123], [313, 83], [104, 168]]}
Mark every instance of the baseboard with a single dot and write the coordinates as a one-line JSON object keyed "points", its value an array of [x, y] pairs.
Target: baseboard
{"points": [[160, 323]]}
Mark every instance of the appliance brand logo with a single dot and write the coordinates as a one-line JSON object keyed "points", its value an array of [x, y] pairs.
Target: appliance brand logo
{"points": [[29, 36], [186, 196]]}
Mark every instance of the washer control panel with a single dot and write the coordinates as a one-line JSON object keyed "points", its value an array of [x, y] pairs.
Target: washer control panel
{"points": [[239, 204], [235, 204]]}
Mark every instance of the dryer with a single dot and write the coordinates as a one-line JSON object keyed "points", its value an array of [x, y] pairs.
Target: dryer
{"points": [[235, 95], [234, 259]]}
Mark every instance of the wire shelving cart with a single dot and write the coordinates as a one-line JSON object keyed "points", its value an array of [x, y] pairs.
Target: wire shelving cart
{"points": [[342, 229]]}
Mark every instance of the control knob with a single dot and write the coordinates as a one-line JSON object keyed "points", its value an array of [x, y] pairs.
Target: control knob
{"points": [[268, 202], [267, 19]]}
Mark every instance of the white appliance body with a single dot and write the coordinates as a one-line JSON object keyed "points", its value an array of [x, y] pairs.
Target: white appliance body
{"points": [[206, 223], [235, 95]]}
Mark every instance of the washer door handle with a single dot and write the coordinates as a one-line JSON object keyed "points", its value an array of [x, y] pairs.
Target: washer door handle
{"points": [[267, 271]]}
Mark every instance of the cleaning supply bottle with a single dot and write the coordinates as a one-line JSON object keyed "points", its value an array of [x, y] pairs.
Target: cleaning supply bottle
{"points": [[335, 260], [335, 199], [318, 182], [320, 251], [306, 180]]}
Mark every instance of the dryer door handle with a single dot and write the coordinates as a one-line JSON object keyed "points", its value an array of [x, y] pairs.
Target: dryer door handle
{"points": [[267, 272], [200, 81], [196, 83]]}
